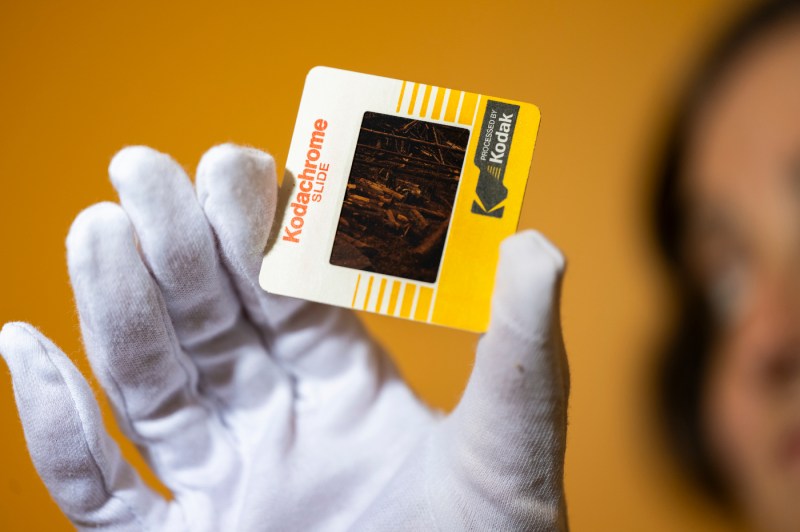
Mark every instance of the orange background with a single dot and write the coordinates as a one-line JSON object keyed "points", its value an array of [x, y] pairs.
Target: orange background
{"points": [[80, 81]]}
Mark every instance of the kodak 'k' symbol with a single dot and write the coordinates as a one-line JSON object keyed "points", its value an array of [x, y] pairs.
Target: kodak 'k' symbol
{"points": [[490, 192]]}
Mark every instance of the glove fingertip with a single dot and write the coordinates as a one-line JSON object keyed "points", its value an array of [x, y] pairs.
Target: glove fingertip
{"points": [[16, 341], [232, 161], [9, 339], [35, 363], [132, 164], [533, 251], [27, 351], [237, 188], [91, 229], [528, 281]]}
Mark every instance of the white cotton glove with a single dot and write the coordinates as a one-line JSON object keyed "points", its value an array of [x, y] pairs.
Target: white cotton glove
{"points": [[261, 412]]}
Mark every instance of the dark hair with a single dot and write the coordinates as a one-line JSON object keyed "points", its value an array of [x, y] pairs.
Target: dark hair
{"points": [[685, 359]]}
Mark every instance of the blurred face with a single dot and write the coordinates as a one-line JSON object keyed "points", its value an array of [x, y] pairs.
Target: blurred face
{"points": [[743, 187]]}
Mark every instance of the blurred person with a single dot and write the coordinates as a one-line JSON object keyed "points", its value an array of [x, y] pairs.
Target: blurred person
{"points": [[728, 223]]}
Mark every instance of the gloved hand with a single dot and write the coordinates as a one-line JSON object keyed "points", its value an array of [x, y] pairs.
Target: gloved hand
{"points": [[261, 412]]}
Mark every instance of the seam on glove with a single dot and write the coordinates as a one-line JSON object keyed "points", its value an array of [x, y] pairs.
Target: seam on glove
{"points": [[103, 481], [235, 270], [507, 321], [240, 269], [265, 329], [190, 386]]}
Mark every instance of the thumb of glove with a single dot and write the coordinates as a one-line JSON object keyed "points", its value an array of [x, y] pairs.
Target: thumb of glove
{"points": [[508, 434]]}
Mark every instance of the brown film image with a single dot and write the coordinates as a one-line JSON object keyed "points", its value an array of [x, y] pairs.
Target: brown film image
{"points": [[400, 196]]}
